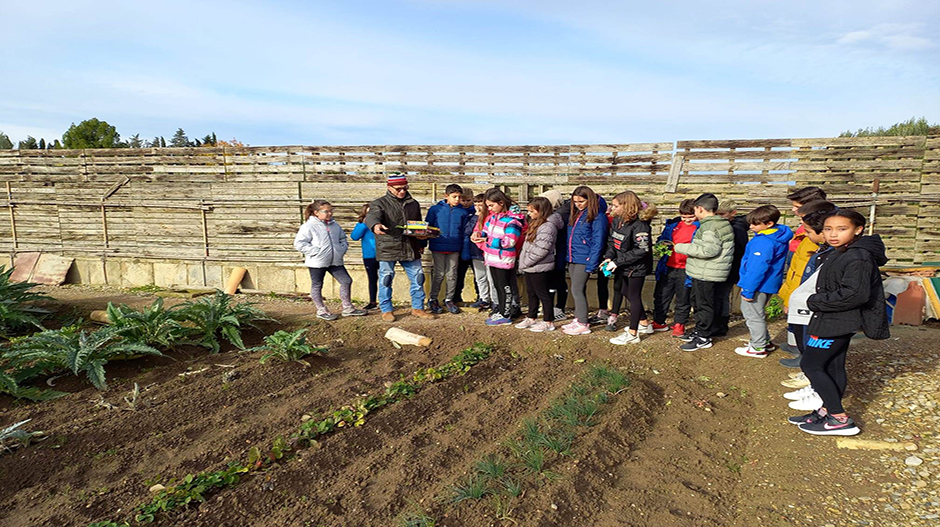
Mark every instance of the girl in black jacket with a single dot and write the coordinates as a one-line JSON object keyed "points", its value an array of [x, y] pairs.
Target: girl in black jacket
{"points": [[849, 296], [630, 249]]}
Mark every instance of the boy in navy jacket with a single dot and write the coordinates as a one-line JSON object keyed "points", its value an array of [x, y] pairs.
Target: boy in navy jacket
{"points": [[761, 274], [451, 218]]}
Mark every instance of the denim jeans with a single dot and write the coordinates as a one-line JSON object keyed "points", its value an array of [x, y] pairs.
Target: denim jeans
{"points": [[415, 276]]}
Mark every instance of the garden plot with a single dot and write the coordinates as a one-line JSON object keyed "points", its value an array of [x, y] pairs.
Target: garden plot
{"points": [[676, 446]]}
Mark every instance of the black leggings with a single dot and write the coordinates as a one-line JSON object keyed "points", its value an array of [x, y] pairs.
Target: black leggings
{"points": [[502, 279], [618, 293], [559, 283], [536, 285], [633, 290], [372, 272], [823, 362]]}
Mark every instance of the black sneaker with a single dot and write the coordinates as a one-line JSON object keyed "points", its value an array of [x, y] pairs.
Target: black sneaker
{"points": [[787, 348], [370, 306], [812, 417], [484, 306], [791, 363], [452, 307], [830, 426], [687, 337], [435, 307], [697, 343]]}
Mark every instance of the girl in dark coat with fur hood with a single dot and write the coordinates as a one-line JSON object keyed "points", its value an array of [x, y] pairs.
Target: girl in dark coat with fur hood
{"points": [[849, 296]]}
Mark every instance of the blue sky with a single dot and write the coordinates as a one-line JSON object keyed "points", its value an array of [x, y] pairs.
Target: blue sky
{"points": [[462, 72]]}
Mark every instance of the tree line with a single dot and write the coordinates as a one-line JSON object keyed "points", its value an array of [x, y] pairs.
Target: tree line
{"points": [[92, 133]]}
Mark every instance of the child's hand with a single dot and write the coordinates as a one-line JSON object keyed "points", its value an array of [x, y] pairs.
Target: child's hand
{"points": [[746, 299], [476, 238], [786, 310], [379, 228]]}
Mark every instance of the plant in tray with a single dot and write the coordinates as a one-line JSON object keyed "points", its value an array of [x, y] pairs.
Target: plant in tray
{"points": [[218, 316], [154, 326], [287, 346], [75, 350]]}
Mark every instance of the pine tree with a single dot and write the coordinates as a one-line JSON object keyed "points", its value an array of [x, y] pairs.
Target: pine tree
{"points": [[179, 139], [5, 143], [57, 145], [42, 143], [91, 133], [135, 142], [162, 142], [29, 143]]}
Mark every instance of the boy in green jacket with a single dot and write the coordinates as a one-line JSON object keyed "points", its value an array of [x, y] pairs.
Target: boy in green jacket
{"points": [[710, 253]]}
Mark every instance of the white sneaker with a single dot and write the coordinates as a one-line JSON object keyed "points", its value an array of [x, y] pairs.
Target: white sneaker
{"points": [[798, 376], [795, 383], [645, 330], [799, 394], [543, 326], [526, 323], [807, 404], [625, 338], [749, 351], [560, 314]]}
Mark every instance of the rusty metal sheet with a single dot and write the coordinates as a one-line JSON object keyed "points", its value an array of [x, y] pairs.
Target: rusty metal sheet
{"points": [[51, 269], [23, 266]]}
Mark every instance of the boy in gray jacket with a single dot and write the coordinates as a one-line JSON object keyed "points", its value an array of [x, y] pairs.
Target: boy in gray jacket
{"points": [[710, 253]]}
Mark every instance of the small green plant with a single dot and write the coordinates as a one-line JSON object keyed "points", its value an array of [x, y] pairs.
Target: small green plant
{"points": [[192, 488], [12, 436], [416, 517], [473, 488], [662, 249], [287, 346], [154, 326], [774, 308], [76, 351], [492, 467], [217, 316]]}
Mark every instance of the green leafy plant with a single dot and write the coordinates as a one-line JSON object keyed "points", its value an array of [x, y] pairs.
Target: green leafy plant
{"points": [[76, 351], [473, 488], [193, 487], [10, 386], [153, 326], [287, 346], [662, 249], [14, 315], [218, 316], [774, 308]]}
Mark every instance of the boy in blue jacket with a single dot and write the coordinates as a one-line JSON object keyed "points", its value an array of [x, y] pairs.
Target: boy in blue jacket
{"points": [[451, 218], [761, 274]]}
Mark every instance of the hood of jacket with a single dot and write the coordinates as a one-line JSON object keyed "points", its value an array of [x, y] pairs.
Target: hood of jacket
{"points": [[781, 234], [555, 219], [873, 245]]}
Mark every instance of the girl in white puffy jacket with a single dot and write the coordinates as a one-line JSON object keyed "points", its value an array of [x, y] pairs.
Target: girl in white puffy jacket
{"points": [[323, 243]]}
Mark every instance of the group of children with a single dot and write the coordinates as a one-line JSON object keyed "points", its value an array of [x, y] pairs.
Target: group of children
{"points": [[826, 273]]}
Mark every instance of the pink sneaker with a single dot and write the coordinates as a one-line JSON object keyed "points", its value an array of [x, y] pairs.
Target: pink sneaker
{"points": [[578, 329], [571, 324], [542, 327]]}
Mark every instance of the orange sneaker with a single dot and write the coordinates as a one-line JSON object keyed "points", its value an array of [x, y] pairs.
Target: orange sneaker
{"points": [[388, 316]]}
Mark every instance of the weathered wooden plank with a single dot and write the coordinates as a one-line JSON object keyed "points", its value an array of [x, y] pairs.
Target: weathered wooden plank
{"points": [[734, 143]]}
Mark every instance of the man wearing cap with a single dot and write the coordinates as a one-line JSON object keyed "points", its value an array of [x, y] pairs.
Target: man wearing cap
{"points": [[386, 217]]}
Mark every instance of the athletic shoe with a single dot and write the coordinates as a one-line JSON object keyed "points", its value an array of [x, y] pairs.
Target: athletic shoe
{"points": [[770, 347], [435, 307], [542, 327], [812, 417], [811, 402], [420, 313], [795, 383], [516, 312], [791, 363], [601, 316], [611, 323], [750, 351], [687, 337], [625, 338], [798, 375], [353, 312], [657, 327], [526, 323], [577, 329], [696, 343], [799, 394], [476, 305], [452, 307], [485, 306], [388, 316], [571, 324], [327, 316], [645, 330], [497, 320], [560, 314], [786, 347], [370, 306], [678, 330], [830, 426]]}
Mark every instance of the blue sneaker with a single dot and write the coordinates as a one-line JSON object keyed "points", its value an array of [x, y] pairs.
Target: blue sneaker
{"points": [[497, 320]]}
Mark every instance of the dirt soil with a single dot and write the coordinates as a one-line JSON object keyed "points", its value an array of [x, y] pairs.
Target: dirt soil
{"points": [[697, 439]]}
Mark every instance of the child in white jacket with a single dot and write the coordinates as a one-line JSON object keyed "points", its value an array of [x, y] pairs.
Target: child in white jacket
{"points": [[323, 243]]}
